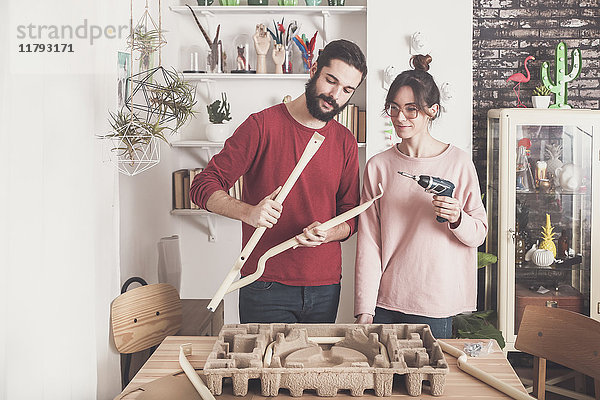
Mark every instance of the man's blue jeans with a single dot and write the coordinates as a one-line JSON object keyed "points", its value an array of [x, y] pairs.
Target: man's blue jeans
{"points": [[441, 328], [269, 302]]}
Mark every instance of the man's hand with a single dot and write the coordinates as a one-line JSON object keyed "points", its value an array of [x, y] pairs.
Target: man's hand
{"points": [[364, 319], [447, 207], [266, 213], [312, 236]]}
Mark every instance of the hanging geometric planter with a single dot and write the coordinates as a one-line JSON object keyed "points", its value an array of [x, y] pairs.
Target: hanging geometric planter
{"points": [[135, 146], [145, 156], [156, 98], [160, 96], [147, 38]]}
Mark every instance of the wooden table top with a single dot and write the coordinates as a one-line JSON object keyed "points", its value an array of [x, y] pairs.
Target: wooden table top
{"points": [[459, 385]]}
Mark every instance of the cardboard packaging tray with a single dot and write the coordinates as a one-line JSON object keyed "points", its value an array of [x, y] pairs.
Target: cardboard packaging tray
{"points": [[326, 358]]}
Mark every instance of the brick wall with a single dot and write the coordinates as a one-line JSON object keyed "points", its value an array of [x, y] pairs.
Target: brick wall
{"points": [[507, 31]]}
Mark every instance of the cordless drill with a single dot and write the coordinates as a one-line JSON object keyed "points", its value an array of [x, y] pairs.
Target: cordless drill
{"points": [[433, 184]]}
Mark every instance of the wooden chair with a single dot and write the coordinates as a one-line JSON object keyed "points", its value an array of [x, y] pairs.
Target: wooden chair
{"points": [[142, 317], [564, 337]]}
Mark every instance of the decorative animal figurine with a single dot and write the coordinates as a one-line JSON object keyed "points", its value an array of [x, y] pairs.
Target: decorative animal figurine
{"points": [[559, 87], [520, 78]]}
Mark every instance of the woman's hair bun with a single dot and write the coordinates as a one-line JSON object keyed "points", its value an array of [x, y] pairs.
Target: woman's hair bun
{"points": [[420, 62]]}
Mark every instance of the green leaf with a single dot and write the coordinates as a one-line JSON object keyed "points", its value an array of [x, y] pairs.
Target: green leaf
{"points": [[477, 326], [484, 259]]}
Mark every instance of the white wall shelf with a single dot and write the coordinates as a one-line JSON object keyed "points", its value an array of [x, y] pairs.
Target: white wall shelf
{"points": [[187, 211], [212, 229], [197, 143], [228, 76], [304, 10]]}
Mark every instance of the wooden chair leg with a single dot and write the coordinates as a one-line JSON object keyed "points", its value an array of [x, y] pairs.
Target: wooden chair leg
{"points": [[125, 365], [597, 388], [539, 378]]}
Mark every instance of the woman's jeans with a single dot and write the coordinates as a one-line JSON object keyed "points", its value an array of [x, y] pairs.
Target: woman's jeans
{"points": [[269, 302], [441, 328]]}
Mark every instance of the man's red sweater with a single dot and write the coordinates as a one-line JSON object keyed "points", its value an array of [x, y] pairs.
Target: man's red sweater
{"points": [[265, 149]]}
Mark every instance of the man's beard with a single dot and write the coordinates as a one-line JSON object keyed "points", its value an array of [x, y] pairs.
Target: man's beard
{"points": [[312, 102]]}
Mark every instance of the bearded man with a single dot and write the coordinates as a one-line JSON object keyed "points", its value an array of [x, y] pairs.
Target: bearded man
{"points": [[300, 285]]}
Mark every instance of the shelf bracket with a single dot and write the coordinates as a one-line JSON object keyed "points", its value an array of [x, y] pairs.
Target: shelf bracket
{"points": [[326, 15], [212, 231], [208, 151]]}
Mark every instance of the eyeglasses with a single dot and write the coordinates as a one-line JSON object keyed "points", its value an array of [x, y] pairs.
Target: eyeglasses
{"points": [[410, 111]]}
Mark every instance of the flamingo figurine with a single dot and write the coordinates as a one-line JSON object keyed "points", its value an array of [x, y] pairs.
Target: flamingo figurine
{"points": [[520, 78]]}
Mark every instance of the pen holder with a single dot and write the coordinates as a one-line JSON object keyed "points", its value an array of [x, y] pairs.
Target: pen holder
{"points": [[307, 62]]}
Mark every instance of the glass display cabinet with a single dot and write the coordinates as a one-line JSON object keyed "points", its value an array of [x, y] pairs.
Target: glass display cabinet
{"points": [[544, 212]]}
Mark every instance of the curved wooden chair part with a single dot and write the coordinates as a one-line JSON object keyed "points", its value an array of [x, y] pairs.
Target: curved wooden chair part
{"points": [[288, 244], [564, 337], [309, 151], [142, 317]]}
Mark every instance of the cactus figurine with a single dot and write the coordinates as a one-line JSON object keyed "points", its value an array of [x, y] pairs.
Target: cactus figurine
{"points": [[559, 87]]}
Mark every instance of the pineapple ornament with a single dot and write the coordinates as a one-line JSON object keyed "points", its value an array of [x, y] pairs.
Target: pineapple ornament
{"points": [[547, 236], [554, 152]]}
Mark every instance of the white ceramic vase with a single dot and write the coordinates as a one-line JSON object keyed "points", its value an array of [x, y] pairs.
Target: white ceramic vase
{"points": [[217, 132], [568, 177], [540, 101], [542, 257]]}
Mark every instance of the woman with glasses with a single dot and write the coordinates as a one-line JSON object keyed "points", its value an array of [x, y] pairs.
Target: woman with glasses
{"points": [[409, 267]]}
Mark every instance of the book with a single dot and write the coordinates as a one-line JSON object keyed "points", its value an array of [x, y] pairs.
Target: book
{"points": [[186, 191], [362, 126], [178, 200], [193, 173], [355, 121]]}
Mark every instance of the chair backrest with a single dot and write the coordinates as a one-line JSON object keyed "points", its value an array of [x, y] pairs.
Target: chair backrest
{"points": [[561, 336], [144, 316]]}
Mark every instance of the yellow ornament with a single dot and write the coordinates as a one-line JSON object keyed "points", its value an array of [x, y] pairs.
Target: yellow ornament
{"points": [[547, 236]]}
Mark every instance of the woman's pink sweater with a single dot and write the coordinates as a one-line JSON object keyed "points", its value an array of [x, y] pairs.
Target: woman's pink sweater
{"points": [[405, 260]]}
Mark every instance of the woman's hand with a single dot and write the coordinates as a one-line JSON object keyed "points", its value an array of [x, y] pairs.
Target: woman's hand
{"points": [[364, 319], [447, 207]]}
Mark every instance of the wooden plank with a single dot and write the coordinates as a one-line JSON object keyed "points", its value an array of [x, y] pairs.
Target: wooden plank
{"points": [[459, 385]]}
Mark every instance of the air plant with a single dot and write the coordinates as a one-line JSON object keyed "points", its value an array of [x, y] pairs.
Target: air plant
{"points": [[307, 48], [177, 98], [132, 134], [146, 42]]}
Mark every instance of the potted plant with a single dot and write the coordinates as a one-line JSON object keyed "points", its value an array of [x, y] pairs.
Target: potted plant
{"points": [[541, 97], [218, 114]]}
